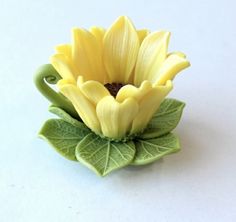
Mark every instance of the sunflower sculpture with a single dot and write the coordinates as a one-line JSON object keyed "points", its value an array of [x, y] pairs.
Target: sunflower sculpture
{"points": [[111, 94]]}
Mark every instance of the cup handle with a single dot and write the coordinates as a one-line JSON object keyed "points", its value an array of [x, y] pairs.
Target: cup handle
{"points": [[45, 75]]}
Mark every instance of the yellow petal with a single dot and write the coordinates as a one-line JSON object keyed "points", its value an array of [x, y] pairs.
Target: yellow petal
{"points": [[93, 90], [142, 34], [63, 82], [171, 66], [64, 66], [87, 55], [99, 33], [181, 54], [128, 91], [83, 106], [80, 80], [116, 118], [121, 45], [151, 55], [149, 105], [64, 49]]}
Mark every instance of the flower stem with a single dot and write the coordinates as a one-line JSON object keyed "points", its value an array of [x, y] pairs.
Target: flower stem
{"points": [[45, 75]]}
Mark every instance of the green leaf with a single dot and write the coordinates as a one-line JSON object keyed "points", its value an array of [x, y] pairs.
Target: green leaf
{"points": [[63, 136], [165, 120], [65, 116], [149, 150], [104, 156]]}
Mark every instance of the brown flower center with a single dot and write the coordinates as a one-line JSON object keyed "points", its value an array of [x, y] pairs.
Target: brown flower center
{"points": [[113, 88]]}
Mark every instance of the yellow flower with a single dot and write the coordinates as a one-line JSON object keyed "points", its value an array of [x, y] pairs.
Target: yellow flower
{"points": [[117, 78]]}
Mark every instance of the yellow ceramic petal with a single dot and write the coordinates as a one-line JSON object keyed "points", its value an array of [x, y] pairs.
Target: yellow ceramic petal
{"points": [[87, 55], [172, 65], [142, 34], [181, 54], [149, 105], [116, 118], [151, 55], [129, 91], [63, 82], [99, 33], [93, 90], [64, 66], [83, 106], [80, 80], [121, 45], [64, 49]]}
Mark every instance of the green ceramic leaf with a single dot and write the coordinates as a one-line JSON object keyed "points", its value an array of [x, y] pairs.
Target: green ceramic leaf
{"points": [[104, 156], [65, 116], [63, 136], [149, 150], [165, 120]]}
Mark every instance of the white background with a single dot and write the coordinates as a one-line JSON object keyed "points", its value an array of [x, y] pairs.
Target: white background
{"points": [[195, 185]]}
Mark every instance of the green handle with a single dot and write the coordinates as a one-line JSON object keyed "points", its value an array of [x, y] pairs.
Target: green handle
{"points": [[45, 75]]}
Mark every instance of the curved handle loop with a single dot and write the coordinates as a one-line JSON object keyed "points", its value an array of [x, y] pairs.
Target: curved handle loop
{"points": [[47, 74]]}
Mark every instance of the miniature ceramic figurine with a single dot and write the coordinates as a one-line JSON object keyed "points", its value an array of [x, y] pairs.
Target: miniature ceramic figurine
{"points": [[111, 100]]}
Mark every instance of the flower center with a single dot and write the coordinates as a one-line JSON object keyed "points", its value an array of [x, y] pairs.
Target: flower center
{"points": [[113, 88]]}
